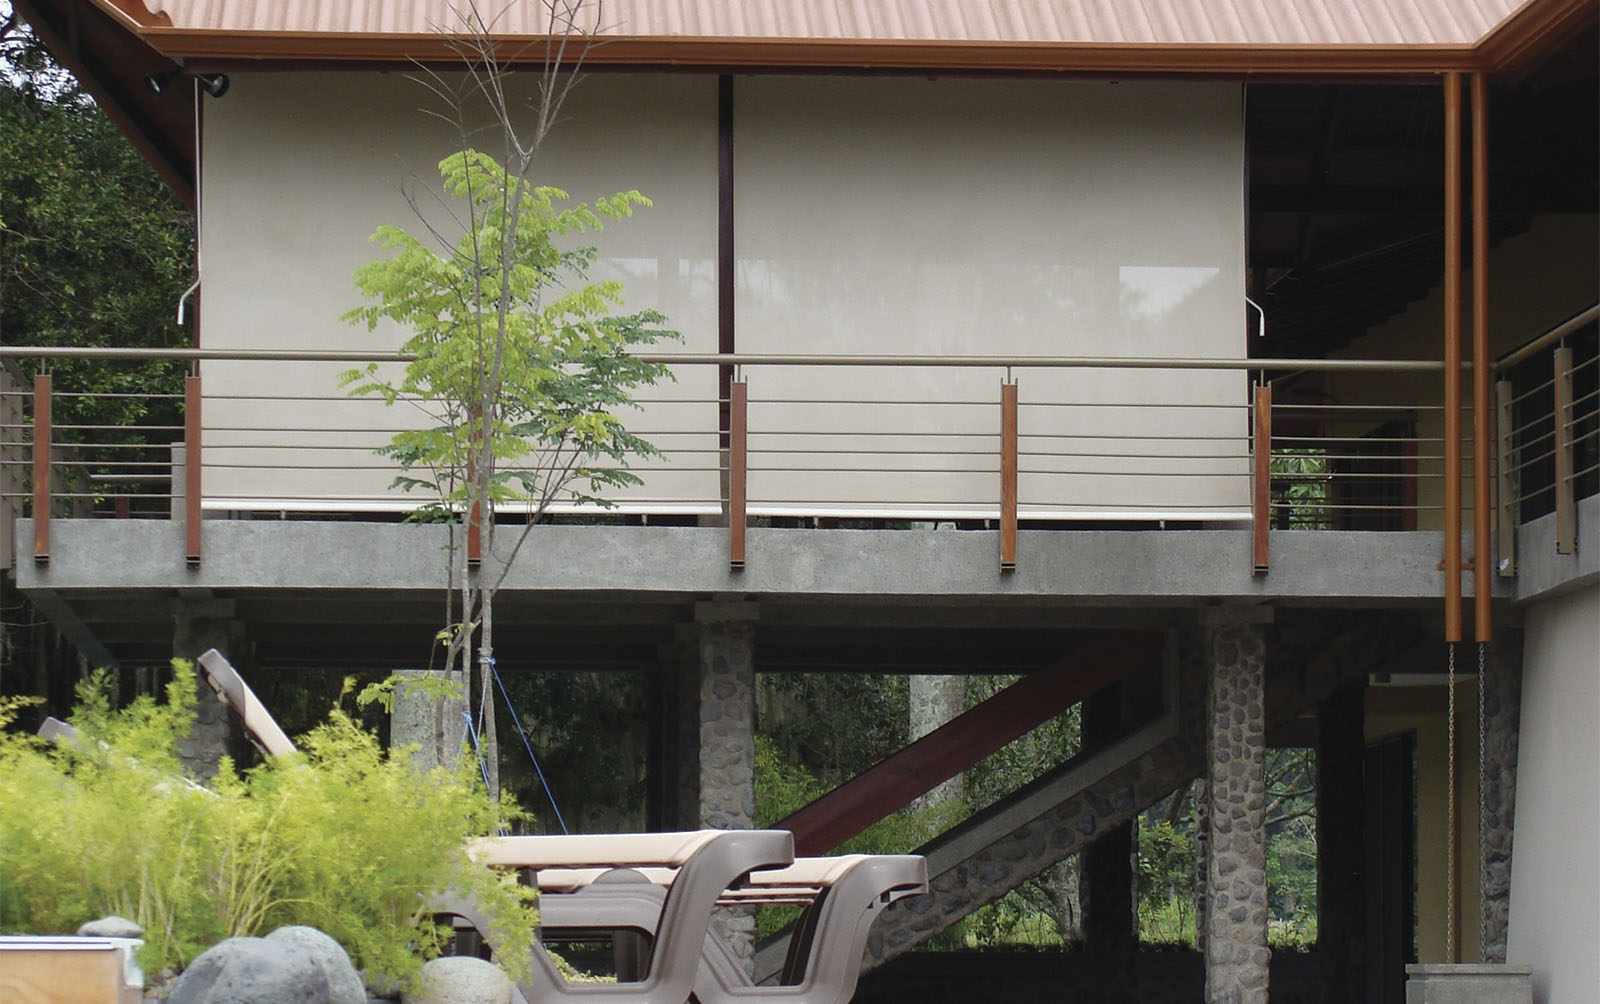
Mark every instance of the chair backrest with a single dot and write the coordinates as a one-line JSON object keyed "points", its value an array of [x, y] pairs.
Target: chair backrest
{"points": [[232, 691]]}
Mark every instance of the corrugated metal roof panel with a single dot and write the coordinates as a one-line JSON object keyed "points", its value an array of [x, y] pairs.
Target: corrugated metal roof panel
{"points": [[1165, 22]]}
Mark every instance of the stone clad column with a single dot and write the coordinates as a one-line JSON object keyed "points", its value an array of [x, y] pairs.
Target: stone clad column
{"points": [[1236, 954], [201, 623], [726, 670], [1502, 709]]}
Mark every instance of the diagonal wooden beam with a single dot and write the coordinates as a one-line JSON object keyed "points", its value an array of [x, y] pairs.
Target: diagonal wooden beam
{"points": [[893, 783]]}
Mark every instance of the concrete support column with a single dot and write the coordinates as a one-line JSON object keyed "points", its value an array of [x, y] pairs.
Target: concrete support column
{"points": [[1236, 880], [1341, 845], [431, 723], [1502, 709], [1110, 917], [934, 700], [201, 623], [726, 698]]}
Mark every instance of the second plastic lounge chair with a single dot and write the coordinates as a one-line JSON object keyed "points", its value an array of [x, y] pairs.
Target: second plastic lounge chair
{"points": [[840, 897], [704, 863]]}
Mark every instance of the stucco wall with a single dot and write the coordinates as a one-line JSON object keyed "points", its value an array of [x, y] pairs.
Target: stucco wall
{"points": [[1555, 868], [885, 216], [298, 171]]}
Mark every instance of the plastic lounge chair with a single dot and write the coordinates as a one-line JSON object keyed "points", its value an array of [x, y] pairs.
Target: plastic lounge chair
{"points": [[704, 865], [841, 897], [234, 693], [57, 732]]}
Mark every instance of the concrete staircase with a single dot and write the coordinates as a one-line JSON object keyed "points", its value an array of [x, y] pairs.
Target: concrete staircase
{"points": [[1310, 655]]}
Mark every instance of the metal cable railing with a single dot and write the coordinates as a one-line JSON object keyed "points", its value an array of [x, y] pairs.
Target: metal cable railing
{"points": [[983, 439]]}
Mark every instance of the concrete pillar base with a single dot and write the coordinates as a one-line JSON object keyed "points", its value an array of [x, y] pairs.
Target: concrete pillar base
{"points": [[1469, 983]]}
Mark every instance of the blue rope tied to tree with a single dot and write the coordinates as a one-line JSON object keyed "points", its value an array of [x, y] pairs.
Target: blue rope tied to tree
{"points": [[483, 765], [517, 721]]}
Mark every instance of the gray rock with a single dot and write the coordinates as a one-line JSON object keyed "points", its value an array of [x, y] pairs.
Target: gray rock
{"points": [[460, 979], [251, 971], [344, 983], [111, 927]]}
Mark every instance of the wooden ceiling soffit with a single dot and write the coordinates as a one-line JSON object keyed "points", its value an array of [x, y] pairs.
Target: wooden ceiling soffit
{"points": [[75, 33]]}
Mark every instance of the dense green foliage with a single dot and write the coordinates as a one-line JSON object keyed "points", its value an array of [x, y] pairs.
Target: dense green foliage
{"points": [[94, 248], [339, 836]]}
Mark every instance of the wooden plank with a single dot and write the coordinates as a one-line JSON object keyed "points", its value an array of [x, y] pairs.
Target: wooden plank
{"points": [[41, 468], [1566, 500], [1008, 476], [191, 470], [55, 975], [1505, 395], [961, 742], [738, 468], [1261, 478]]}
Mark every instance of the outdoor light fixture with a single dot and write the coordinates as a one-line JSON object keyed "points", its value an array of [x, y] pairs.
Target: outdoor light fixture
{"points": [[157, 83], [215, 84]]}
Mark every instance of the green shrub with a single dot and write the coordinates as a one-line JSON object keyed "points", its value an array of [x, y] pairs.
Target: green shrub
{"points": [[339, 836]]}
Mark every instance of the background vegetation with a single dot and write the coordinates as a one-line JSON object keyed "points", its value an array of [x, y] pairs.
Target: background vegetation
{"points": [[340, 836]]}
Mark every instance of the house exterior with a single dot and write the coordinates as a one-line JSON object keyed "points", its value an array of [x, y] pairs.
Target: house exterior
{"points": [[1014, 336]]}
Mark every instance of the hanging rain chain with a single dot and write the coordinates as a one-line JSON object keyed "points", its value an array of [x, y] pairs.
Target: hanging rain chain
{"points": [[1450, 824], [1483, 824]]}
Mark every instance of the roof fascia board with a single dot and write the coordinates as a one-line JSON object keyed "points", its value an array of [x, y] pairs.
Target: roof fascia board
{"points": [[911, 55], [1513, 45]]}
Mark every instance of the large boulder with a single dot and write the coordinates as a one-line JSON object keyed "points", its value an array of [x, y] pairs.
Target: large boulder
{"points": [[460, 979], [344, 983], [251, 971]]}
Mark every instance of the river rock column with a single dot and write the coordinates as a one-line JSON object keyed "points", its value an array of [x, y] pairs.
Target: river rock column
{"points": [[1236, 953], [198, 624], [1502, 709], [727, 715]]}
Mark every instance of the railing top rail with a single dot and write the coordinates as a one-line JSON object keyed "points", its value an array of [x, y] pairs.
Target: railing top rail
{"points": [[1560, 331], [760, 359]]}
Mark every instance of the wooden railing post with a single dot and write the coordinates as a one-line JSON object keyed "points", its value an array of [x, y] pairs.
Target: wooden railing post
{"points": [[41, 468], [1509, 505], [738, 469], [191, 469], [1566, 498], [1008, 476], [1261, 477]]}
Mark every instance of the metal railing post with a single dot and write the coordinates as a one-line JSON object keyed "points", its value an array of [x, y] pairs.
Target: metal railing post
{"points": [[1509, 503], [1008, 475], [1261, 477], [1566, 497], [41, 468], [191, 469], [738, 469]]}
